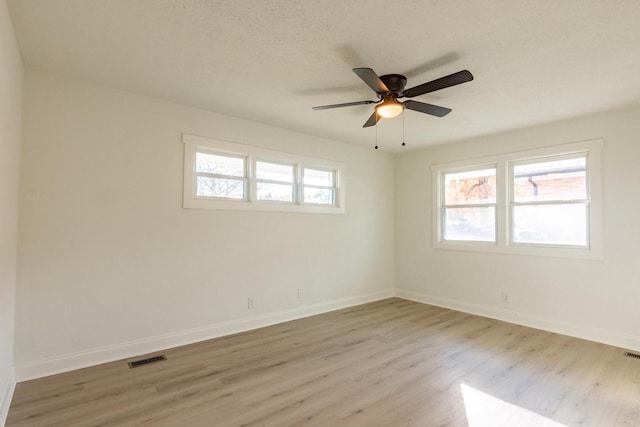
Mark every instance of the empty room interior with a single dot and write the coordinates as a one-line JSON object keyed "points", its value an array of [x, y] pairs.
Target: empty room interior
{"points": [[333, 213]]}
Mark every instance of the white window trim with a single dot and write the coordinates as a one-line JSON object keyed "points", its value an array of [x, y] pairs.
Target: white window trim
{"points": [[190, 201], [595, 250]]}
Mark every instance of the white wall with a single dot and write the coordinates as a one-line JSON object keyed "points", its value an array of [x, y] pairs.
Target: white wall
{"points": [[111, 265], [110, 261], [10, 128], [591, 299]]}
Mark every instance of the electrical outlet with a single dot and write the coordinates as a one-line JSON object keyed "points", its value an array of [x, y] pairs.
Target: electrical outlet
{"points": [[505, 298], [250, 303], [300, 293]]}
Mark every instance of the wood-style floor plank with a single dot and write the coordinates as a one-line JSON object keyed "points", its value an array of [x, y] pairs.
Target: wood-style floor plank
{"points": [[388, 363]]}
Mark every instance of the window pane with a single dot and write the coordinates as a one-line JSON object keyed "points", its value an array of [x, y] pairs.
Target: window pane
{"points": [[221, 165], [275, 192], [478, 186], [564, 179], [563, 224], [219, 187], [274, 171], [318, 177], [323, 196], [471, 224]]}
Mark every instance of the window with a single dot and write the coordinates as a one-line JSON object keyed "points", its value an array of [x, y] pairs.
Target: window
{"points": [[275, 182], [319, 186], [469, 208], [549, 201], [225, 175], [538, 202], [220, 176]]}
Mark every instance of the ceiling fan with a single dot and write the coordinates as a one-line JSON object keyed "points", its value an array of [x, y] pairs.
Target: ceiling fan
{"points": [[390, 87]]}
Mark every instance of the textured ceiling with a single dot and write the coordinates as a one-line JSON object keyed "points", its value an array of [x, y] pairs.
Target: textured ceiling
{"points": [[271, 61]]}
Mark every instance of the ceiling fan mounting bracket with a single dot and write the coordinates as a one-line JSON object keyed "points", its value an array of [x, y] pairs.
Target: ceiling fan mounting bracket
{"points": [[395, 83]]}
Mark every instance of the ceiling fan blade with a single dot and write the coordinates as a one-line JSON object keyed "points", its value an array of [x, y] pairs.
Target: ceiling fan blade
{"points": [[441, 83], [371, 79], [422, 107], [346, 104], [373, 120]]}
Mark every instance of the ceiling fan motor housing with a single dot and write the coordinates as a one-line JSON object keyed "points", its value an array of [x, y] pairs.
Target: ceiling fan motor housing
{"points": [[395, 83]]}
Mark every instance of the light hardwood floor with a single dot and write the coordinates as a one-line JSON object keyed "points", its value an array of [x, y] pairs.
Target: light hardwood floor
{"points": [[388, 363]]}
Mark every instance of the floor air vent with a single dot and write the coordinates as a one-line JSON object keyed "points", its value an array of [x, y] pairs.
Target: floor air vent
{"points": [[634, 355], [148, 361]]}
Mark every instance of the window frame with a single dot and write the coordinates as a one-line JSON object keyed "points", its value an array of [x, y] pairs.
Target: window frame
{"points": [[504, 191], [304, 186], [444, 206], [513, 203], [293, 184], [252, 154], [242, 178]]}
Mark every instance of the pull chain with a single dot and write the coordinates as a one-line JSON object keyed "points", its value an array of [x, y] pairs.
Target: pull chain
{"points": [[376, 125], [377, 119], [403, 144]]}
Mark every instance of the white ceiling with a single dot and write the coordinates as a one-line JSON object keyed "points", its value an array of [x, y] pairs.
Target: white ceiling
{"points": [[270, 61]]}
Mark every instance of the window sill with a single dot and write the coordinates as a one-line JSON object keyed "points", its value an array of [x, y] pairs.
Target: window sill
{"points": [[522, 249], [237, 205]]}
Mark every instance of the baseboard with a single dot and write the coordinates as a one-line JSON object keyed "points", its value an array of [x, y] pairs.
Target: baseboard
{"points": [[603, 336], [7, 395], [96, 356]]}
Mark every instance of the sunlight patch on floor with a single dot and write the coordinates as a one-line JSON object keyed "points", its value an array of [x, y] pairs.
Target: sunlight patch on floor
{"points": [[483, 409]]}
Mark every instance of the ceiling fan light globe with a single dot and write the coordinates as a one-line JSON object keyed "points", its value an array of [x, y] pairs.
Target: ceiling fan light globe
{"points": [[389, 110]]}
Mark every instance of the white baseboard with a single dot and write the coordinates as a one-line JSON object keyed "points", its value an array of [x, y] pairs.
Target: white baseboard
{"points": [[630, 342], [96, 356], [7, 395]]}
